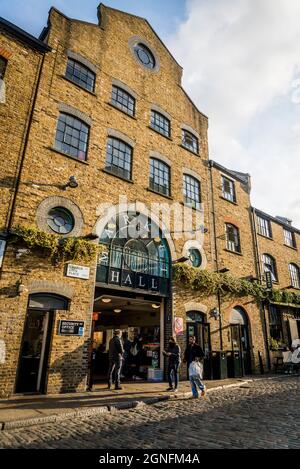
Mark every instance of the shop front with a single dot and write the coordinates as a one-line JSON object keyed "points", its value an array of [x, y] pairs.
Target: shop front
{"points": [[132, 294]]}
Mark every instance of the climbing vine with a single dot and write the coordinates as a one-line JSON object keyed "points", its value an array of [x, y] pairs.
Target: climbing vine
{"points": [[56, 247], [211, 283]]}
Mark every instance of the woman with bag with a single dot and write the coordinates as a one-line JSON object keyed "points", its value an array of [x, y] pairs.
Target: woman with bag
{"points": [[196, 376]]}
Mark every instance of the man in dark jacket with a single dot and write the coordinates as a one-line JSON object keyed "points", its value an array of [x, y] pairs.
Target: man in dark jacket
{"points": [[193, 351], [173, 353], [115, 355]]}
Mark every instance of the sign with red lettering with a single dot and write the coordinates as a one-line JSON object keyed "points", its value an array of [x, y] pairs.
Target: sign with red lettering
{"points": [[178, 326]]}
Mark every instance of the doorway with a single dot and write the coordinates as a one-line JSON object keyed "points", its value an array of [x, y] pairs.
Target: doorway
{"points": [[240, 338], [35, 346], [197, 327], [141, 323]]}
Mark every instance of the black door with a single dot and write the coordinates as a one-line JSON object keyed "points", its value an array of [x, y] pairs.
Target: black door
{"points": [[240, 343], [34, 352]]}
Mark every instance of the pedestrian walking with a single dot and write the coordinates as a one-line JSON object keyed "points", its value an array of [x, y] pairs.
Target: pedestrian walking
{"points": [[196, 376], [173, 353], [115, 355], [192, 351]]}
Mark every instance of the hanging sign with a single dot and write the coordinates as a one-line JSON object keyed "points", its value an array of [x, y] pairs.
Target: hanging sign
{"points": [[178, 326], [269, 282]]}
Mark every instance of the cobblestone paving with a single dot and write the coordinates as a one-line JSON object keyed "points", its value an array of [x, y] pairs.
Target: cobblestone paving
{"points": [[261, 414]]}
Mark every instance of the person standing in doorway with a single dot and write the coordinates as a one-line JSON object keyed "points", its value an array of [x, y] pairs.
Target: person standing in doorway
{"points": [[115, 355], [173, 353]]}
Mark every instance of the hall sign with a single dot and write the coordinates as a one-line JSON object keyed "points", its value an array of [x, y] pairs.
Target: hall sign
{"points": [[71, 328], [127, 278]]}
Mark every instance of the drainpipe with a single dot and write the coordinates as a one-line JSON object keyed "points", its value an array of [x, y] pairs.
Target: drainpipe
{"points": [[259, 273], [210, 165]]}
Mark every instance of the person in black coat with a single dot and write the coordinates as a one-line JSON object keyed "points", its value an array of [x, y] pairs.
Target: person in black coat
{"points": [[115, 355], [193, 351], [173, 353]]}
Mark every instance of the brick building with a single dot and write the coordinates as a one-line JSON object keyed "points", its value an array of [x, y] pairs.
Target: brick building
{"points": [[92, 132]]}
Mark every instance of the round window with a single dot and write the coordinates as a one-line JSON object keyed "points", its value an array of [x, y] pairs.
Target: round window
{"points": [[195, 257], [60, 220], [144, 55]]}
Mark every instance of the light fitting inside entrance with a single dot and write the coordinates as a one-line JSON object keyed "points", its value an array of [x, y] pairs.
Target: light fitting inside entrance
{"points": [[155, 306], [117, 310], [106, 300]]}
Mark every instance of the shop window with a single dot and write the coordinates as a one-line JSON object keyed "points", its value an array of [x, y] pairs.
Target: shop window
{"points": [[275, 322]]}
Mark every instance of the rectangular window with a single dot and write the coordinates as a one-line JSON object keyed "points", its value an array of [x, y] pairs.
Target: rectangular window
{"points": [[160, 123], [228, 189], [233, 238], [159, 177], [191, 191], [81, 75], [72, 136], [289, 238], [190, 142], [3, 64], [123, 100], [275, 323], [118, 158], [264, 227]]}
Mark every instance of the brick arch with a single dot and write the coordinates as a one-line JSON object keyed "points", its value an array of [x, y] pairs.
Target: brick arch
{"points": [[45, 286], [194, 306], [232, 221]]}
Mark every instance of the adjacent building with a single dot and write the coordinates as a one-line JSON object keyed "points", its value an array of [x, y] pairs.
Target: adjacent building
{"points": [[107, 185]]}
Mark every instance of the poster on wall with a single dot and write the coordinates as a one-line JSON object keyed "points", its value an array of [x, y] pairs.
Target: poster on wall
{"points": [[178, 326]]}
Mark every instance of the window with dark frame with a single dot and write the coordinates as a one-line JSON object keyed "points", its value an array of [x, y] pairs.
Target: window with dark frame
{"points": [[72, 136], [289, 238], [228, 189], [3, 64], [191, 191], [275, 323], [123, 100], [233, 238], [159, 177], [294, 275], [118, 158], [160, 123], [190, 141], [264, 226], [80, 74], [269, 265], [144, 55]]}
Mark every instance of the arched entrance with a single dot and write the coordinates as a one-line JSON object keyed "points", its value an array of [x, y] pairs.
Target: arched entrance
{"points": [[132, 293], [240, 337], [197, 326], [34, 355]]}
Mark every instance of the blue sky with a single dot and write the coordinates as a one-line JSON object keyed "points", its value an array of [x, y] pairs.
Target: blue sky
{"points": [[241, 61], [31, 15]]}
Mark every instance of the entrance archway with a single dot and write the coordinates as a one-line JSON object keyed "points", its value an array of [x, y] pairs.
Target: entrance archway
{"points": [[35, 347], [240, 340]]}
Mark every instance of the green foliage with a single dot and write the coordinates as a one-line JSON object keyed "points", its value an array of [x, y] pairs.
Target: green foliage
{"points": [[209, 283], [60, 249]]}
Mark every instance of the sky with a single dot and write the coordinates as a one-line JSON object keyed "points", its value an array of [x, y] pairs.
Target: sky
{"points": [[241, 61]]}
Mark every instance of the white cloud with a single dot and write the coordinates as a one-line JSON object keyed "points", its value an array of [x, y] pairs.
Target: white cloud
{"points": [[241, 59]]}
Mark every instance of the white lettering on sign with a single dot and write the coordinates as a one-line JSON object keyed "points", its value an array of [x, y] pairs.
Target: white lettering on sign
{"points": [[115, 276], [128, 280], [78, 271]]}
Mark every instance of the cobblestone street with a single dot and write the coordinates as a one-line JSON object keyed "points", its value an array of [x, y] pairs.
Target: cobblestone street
{"points": [[262, 414]]}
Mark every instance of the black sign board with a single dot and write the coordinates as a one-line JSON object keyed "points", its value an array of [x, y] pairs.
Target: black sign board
{"points": [[71, 327], [127, 278], [269, 281]]}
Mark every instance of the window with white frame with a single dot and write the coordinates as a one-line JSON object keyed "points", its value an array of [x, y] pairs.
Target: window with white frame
{"points": [[228, 189], [289, 238], [233, 238], [294, 275], [264, 226], [269, 265]]}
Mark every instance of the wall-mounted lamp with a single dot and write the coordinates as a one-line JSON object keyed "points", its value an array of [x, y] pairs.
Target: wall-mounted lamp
{"points": [[223, 271], [181, 259], [72, 183], [215, 313]]}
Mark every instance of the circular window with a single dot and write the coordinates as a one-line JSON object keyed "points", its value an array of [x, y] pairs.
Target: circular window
{"points": [[195, 257], [144, 55], [60, 220]]}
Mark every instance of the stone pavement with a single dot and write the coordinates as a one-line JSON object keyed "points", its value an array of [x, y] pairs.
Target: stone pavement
{"points": [[263, 413], [19, 411]]}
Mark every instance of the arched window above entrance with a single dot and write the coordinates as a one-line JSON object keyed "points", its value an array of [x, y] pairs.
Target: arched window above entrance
{"points": [[194, 316], [238, 316], [48, 301]]}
